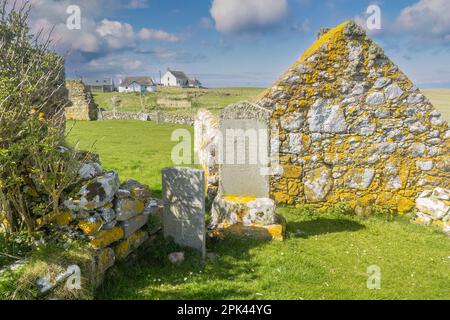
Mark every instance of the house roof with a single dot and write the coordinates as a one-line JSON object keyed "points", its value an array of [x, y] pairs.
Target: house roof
{"points": [[98, 81], [179, 75], [143, 81]]}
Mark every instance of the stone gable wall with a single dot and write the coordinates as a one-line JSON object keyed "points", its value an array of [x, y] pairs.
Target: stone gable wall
{"points": [[352, 127], [82, 105]]}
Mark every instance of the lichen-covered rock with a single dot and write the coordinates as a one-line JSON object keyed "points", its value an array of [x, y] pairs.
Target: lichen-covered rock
{"points": [[245, 215], [90, 170], [134, 241], [135, 190], [128, 208], [359, 179], [326, 118], [96, 193], [106, 237], [435, 208], [260, 211], [318, 184], [132, 225]]}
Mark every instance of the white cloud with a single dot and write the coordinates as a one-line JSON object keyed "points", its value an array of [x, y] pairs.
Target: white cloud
{"points": [[137, 4], [116, 34], [153, 34], [104, 37], [239, 16], [427, 19]]}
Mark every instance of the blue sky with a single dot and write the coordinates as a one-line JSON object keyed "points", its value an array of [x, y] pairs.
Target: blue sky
{"points": [[237, 42]]}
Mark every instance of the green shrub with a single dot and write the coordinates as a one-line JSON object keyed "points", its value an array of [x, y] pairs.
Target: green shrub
{"points": [[32, 101]]}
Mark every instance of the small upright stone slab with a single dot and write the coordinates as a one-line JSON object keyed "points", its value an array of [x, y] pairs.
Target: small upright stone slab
{"points": [[184, 206]]}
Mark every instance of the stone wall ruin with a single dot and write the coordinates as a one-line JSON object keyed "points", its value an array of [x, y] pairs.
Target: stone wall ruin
{"points": [[82, 105], [352, 127]]}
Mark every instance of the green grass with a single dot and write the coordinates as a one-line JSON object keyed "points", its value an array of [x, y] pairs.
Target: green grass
{"points": [[135, 149], [440, 99], [212, 99], [218, 98], [324, 257]]}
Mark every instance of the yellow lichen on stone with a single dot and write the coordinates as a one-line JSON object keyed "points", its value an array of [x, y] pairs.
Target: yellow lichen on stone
{"points": [[404, 205], [241, 199], [292, 171], [105, 237], [90, 228], [276, 231], [64, 218], [125, 247]]}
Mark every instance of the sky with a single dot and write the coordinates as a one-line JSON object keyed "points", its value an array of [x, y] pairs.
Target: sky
{"points": [[235, 43]]}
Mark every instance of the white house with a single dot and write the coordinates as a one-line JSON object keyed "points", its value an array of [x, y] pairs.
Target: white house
{"points": [[174, 78], [137, 84]]}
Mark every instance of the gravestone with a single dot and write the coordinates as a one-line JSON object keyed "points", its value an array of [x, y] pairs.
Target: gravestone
{"points": [[245, 131], [184, 206]]}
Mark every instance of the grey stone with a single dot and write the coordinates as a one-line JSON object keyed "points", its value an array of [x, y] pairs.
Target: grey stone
{"points": [[393, 92], [260, 211], [134, 224], [375, 99], [433, 207], [424, 165], [415, 98], [381, 83], [437, 121], [364, 127], [294, 143], [96, 193], [134, 189], [441, 194], [326, 119], [382, 113], [355, 51], [360, 179], [358, 89], [176, 257], [318, 184], [128, 208], [108, 214], [417, 127], [184, 206], [90, 170], [292, 122], [417, 149]]}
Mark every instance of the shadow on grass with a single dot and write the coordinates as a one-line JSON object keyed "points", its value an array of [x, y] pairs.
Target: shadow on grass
{"points": [[320, 226], [152, 276]]}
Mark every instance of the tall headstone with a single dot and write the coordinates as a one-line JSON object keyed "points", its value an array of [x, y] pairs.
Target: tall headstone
{"points": [[245, 150], [184, 206]]}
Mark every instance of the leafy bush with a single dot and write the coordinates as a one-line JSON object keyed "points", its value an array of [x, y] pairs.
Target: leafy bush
{"points": [[32, 129]]}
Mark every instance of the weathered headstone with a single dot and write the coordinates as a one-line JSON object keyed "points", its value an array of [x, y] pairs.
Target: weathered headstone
{"points": [[245, 131], [184, 206]]}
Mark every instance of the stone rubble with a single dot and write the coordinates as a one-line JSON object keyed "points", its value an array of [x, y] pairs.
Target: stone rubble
{"points": [[115, 218], [433, 207]]}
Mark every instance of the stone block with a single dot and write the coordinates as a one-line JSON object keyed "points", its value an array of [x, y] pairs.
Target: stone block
{"points": [[184, 206], [127, 246], [134, 224], [128, 208]]}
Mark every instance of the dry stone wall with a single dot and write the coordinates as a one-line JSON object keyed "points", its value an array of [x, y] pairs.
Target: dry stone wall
{"points": [[348, 125], [113, 218], [82, 105]]}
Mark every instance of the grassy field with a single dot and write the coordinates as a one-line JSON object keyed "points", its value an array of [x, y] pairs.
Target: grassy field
{"points": [[212, 99], [325, 256], [135, 149], [216, 99], [440, 99]]}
